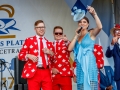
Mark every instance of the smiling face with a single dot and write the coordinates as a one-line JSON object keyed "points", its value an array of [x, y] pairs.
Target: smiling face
{"points": [[39, 28], [84, 23], [58, 33]]}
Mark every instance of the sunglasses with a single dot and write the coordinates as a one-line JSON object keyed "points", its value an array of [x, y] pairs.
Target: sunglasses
{"points": [[56, 33], [117, 31]]}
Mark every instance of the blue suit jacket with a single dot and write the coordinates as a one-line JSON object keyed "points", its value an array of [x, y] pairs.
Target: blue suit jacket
{"points": [[108, 79], [115, 53]]}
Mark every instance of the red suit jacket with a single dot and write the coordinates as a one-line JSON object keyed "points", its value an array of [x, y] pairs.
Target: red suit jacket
{"points": [[30, 46], [98, 52], [62, 59]]}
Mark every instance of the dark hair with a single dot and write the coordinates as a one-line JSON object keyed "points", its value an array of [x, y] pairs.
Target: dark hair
{"points": [[57, 27], [38, 21], [85, 19]]}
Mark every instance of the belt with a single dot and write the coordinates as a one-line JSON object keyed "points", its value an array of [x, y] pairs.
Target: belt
{"points": [[43, 67]]}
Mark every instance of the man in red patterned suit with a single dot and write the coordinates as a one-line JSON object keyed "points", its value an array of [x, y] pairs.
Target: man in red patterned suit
{"points": [[37, 52], [61, 68]]}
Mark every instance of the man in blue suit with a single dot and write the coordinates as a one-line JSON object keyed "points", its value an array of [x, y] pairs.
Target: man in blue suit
{"points": [[114, 51], [107, 79]]}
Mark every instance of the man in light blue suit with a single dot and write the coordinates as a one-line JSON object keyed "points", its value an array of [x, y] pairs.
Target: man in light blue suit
{"points": [[107, 79], [114, 51]]}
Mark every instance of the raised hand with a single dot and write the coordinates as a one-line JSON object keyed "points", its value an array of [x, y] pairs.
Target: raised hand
{"points": [[91, 10], [114, 40], [76, 32]]}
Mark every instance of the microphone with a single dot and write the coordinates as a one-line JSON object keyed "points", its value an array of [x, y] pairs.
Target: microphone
{"points": [[79, 30]]}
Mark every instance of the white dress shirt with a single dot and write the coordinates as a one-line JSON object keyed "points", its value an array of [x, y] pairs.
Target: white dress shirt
{"points": [[39, 57]]}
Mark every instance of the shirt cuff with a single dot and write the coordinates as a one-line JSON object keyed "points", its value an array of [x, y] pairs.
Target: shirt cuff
{"points": [[111, 47]]}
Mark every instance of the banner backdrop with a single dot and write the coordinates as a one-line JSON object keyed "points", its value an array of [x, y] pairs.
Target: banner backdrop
{"points": [[17, 19]]}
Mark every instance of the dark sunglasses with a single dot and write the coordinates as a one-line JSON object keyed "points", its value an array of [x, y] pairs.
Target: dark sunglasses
{"points": [[56, 33]]}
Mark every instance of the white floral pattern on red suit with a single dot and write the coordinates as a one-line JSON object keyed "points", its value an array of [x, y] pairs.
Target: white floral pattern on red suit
{"points": [[30, 46], [62, 59], [98, 52]]}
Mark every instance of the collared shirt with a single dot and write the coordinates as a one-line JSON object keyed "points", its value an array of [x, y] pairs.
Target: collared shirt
{"points": [[103, 71], [112, 46], [59, 42], [56, 42], [39, 57]]}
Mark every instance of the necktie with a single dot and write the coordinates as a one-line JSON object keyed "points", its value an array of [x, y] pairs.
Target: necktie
{"points": [[57, 46], [42, 53]]}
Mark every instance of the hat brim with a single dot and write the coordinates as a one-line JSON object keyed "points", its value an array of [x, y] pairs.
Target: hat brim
{"points": [[112, 30], [78, 16]]}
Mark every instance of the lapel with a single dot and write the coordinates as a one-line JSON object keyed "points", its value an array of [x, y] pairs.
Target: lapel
{"points": [[108, 74], [102, 75], [35, 42], [103, 78], [107, 78], [60, 42], [117, 49]]}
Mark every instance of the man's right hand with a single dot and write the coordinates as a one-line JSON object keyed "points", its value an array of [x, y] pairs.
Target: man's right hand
{"points": [[32, 57]]}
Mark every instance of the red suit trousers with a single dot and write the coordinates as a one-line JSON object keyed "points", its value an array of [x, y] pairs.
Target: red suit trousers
{"points": [[62, 82], [41, 79]]}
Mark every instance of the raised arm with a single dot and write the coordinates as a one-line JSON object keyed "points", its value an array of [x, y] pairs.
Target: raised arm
{"points": [[72, 44], [97, 20]]}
